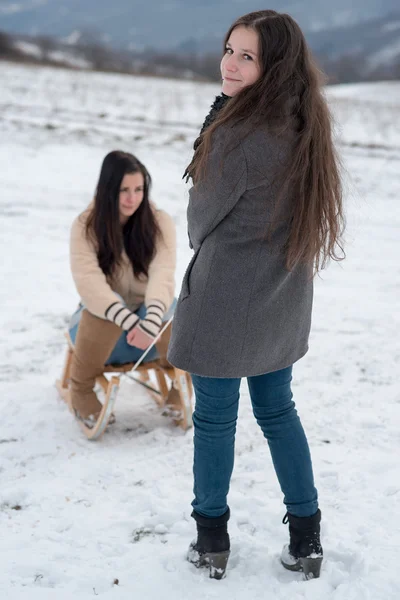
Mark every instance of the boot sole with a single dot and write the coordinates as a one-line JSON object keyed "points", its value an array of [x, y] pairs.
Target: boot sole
{"points": [[217, 561], [311, 567]]}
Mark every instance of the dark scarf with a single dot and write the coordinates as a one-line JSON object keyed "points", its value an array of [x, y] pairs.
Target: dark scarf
{"points": [[218, 104]]}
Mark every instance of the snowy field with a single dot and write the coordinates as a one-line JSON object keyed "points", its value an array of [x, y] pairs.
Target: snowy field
{"points": [[112, 519]]}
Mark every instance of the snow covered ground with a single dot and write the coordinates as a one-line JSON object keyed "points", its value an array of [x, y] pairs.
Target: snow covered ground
{"points": [[76, 517]]}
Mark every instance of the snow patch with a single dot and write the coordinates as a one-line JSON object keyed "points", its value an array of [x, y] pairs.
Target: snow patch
{"points": [[119, 509], [385, 55], [29, 48], [391, 26]]}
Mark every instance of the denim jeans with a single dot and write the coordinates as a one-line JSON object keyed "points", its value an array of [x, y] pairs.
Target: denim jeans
{"points": [[215, 416]]}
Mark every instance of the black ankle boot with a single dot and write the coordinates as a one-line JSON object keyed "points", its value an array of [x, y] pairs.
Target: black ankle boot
{"points": [[212, 547], [304, 552]]}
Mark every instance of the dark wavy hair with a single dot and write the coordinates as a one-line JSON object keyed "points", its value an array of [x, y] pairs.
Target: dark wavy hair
{"points": [[138, 235], [288, 94]]}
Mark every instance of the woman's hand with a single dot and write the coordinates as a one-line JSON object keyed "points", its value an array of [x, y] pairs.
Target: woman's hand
{"points": [[138, 338], [147, 329]]}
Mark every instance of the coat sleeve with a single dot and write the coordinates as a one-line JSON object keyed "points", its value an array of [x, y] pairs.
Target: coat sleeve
{"points": [[161, 282], [91, 283], [215, 195]]}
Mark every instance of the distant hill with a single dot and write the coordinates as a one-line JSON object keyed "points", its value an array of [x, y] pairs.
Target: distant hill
{"points": [[175, 23], [358, 43]]}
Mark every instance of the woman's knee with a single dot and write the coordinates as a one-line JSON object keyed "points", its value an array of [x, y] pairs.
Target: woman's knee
{"points": [[271, 393], [217, 400]]}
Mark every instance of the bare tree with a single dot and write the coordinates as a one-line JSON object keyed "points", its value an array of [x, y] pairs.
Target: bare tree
{"points": [[6, 46], [209, 67], [47, 45]]}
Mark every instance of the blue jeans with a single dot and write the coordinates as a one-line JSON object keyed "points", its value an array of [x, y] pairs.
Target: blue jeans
{"points": [[123, 352], [214, 419]]}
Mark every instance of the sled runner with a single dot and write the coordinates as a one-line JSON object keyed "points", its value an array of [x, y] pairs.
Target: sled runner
{"points": [[170, 387]]}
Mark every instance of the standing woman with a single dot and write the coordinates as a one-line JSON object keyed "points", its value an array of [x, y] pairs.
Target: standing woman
{"points": [[123, 255], [265, 214]]}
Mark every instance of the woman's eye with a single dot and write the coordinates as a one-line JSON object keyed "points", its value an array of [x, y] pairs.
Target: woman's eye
{"points": [[228, 51], [247, 57]]}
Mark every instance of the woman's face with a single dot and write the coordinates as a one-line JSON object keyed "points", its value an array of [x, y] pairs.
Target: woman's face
{"points": [[130, 195], [240, 65]]}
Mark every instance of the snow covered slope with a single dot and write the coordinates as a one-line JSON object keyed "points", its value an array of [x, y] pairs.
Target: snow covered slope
{"points": [[77, 516]]}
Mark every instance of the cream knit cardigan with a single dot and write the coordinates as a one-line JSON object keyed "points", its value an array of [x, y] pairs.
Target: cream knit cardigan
{"points": [[102, 295]]}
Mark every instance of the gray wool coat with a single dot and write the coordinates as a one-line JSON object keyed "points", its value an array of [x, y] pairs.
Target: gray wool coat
{"points": [[240, 312]]}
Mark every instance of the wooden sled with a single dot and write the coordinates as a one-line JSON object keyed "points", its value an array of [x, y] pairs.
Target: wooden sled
{"points": [[180, 390]]}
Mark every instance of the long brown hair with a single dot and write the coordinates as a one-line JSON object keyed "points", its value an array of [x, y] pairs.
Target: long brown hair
{"points": [[288, 94], [138, 235]]}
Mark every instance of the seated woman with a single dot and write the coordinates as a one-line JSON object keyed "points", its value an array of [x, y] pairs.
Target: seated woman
{"points": [[123, 255]]}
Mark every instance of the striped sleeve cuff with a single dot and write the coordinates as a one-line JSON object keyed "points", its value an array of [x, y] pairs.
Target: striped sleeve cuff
{"points": [[121, 316], [152, 323]]}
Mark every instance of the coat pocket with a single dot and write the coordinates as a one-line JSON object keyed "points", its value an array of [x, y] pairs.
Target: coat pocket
{"points": [[185, 292]]}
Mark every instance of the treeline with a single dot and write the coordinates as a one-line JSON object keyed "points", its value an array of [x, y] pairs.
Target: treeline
{"points": [[90, 53]]}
